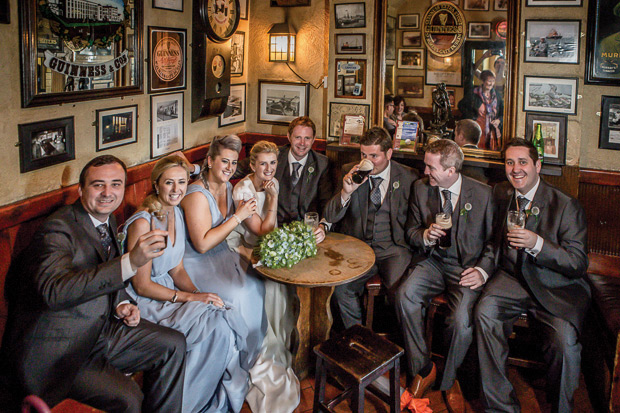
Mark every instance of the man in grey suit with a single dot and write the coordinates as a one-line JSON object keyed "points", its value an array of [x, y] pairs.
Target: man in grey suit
{"points": [[374, 211], [541, 270], [303, 174], [459, 270], [71, 329]]}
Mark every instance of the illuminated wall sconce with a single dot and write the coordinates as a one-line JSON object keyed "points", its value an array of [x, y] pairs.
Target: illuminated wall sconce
{"points": [[281, 43]]}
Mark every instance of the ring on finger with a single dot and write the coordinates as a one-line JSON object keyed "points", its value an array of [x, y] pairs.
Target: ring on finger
{"points": [[210, 302]]}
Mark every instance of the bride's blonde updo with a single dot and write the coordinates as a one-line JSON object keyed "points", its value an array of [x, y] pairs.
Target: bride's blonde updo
{"points": [[262, 147]]}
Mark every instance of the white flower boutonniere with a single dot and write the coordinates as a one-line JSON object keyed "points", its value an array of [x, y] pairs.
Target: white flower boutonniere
{"points": [[465, 211], [120, 237], [395, 186], [533, 211], [310, 173]]}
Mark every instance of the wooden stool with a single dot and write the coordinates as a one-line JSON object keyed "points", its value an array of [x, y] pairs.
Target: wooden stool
{"points": [[357, 357]]}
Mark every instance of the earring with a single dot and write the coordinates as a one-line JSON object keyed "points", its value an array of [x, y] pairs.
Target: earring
{"points": [[157, 191]]}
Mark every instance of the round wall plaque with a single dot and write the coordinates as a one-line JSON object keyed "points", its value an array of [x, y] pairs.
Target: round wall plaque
{"points": [[443, 29], [168, 59]]}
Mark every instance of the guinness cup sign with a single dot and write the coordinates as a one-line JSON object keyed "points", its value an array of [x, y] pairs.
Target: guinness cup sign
{"points": [[443, 29]]}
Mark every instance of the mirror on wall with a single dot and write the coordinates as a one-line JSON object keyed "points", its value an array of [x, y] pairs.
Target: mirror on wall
{"points": [[477, 77]]}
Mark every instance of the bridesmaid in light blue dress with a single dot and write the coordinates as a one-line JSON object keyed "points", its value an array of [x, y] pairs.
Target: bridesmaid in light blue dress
{"points": [[214, 379], [210, 217]]}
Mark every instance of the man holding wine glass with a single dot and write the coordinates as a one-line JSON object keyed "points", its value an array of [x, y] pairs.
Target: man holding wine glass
{"points": [[450, 219], [543, 274], [371, 205]]}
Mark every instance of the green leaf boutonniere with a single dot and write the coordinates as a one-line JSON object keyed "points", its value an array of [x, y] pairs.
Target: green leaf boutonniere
{"points": [[533, 211], [395, 186], [310, 173], [464, 212], [120, 237]]}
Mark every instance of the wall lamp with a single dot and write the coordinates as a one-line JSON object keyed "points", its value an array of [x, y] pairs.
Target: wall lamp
{"points": [[282, 43]]}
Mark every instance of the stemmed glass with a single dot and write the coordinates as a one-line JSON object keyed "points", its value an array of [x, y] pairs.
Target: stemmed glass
{"points": [[515, 220]]}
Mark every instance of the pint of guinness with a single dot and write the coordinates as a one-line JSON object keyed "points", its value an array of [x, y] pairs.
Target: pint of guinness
{"points": [[365, 168], [445, 222]]}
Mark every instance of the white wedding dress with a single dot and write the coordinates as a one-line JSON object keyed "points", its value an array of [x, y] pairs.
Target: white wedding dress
{"points": [[273, 384]]}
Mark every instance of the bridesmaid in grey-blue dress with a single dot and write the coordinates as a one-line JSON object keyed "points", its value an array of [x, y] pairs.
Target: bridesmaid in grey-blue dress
{"points": [[214, 379], [211, 265]]}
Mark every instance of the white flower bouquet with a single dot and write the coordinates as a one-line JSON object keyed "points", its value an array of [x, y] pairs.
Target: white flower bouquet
{"points": [[287, 245]]}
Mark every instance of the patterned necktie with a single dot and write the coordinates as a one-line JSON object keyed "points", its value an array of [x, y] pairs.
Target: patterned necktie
{"points": [[522, 202], [375, 193], [447, 203], [296, 166], [105, 238]]}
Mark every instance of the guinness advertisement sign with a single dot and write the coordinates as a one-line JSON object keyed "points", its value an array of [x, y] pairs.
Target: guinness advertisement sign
{"points": [[443, 29]]}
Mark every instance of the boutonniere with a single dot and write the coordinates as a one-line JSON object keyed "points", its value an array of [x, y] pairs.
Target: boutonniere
{"points": [[120, 237], [533, 211], [465, 211], [395, 186], [310, 173]]}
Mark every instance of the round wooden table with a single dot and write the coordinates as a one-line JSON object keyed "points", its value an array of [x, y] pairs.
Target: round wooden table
{"points": [[339, 259]]}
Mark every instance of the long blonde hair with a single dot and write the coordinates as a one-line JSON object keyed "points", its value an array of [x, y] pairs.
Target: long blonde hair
{"points": [[151, 203]]}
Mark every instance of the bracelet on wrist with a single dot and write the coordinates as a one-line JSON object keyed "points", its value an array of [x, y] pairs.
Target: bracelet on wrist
{"points": [[237, 218], [174, 297], [196, 291]]}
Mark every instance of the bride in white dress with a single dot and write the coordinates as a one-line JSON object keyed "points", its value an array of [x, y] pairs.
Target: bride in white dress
{"points": [[273, 384]]}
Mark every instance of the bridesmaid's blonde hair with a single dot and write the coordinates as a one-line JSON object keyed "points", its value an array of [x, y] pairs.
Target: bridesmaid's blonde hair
{"points": [[262, 147], [151, 203]]}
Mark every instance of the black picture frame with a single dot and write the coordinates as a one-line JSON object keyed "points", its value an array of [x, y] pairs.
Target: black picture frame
{"points": [[237, 53], [344, 19], [236, 106], [556, 49], [5, 12], [337, 109], [167, 123], [116, 127], [46, 143], [609, 135], [554, 135], [244, 6], [545, 94], [176, 5], [167, 72], [602, 25], [281, 102]]}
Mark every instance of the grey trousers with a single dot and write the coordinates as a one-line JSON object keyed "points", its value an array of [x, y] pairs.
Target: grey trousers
{"points": [[426, 280], [501, 303]]}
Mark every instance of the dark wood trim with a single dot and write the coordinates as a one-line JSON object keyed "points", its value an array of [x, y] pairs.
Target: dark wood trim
{"points": [[319, 145], [598, 177], [606, 265], [378, 71]]}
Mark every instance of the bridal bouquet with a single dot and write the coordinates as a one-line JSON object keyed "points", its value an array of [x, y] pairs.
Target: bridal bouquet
{"points": [[287, 245]]}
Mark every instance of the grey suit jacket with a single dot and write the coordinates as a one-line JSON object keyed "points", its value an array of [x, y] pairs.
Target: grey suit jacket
{"points": [[316, 185], [474, 228], [61, 294], [556, 277], [351, 219]]}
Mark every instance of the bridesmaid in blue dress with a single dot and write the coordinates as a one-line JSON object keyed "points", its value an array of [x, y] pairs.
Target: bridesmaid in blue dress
{"points": [[214, 378], [210, 217]]}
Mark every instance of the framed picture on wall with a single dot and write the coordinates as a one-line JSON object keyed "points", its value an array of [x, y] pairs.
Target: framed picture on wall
{"points": [[482, 5], [609, 137], [281, 102], [602, 54], [350, 15], [243, 9], [176, 5], [46, 143], [412, 39], [443, 69], [237, 50], [5, 14], [389, 79], [554, 3], [166, 124], [409, 21], [411, 58], [478, 30], [550, 94], [553, 129], [410, 86], [167, 55], [116, 127], [235, 108], [351, 43], [500, 5], [338, 110], [552, 41]]}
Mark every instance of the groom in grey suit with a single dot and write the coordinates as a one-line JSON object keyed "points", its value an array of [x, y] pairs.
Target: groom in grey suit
{"points": [[375, 212], [543, 274], [459, 270], [71, 330]]}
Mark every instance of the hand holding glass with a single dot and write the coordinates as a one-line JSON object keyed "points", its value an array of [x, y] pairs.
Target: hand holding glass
{"points": [[159, 220], [515, 220], [312, 219]]}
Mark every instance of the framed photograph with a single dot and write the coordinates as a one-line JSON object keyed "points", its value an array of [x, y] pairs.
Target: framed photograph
{"points": [[602, 54], [550, 94], [116, 127], [166, 123], [289, 3], [243, 9], [609, 137], [5, 14], [452, 97], [389, 79], [352, 129], [350, 15], [353, 72], [411, 58], [553, 129], [237, 50], [476, 5], [235, 108], [410, 86], [478, 30], [390, 38], [281, 102], [412, 39], [554, 3], [167, 55], [409, 21], [176, 5], [45, 143], [552, 41], [443, 69], [500, 5], [351, 43], [338, 110]]}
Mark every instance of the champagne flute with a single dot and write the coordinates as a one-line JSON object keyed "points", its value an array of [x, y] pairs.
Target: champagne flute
{"points": [[515, 220], [159, 220]]}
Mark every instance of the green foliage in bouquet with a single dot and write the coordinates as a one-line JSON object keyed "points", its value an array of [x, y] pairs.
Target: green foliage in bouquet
{"points": [[287, 245]]}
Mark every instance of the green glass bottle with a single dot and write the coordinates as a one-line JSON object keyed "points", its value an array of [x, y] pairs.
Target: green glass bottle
{"points": [[538, 143]]}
